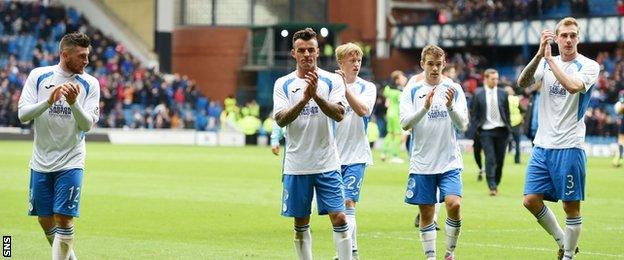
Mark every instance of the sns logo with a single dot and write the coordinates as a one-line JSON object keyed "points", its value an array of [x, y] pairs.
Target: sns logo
{"points": [[6, 246]]}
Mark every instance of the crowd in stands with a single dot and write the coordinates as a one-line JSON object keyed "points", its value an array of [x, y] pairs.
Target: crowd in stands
{"points": [[449, 11], [132, 96], [504, 10]]}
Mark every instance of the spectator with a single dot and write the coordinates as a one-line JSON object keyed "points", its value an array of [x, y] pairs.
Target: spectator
{"points": [[515, 118]]}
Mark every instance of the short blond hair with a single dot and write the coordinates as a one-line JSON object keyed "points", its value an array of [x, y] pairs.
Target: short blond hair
{"points": [[432, 49], [348, 48], [567, 21]]}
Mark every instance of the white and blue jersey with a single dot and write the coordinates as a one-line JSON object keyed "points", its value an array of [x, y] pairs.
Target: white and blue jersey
{"points": [[59, 147], [310, 139], [435, 161], [561, 124], [59, 144], [352, 141], [557, 165], [311, 162], [434, 142], [351, 138]]}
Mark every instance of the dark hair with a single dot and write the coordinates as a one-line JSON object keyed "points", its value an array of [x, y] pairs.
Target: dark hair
{"points": [[74, 39], [305, 34]]}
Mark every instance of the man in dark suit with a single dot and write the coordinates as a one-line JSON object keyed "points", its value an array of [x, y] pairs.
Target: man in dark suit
{"points": [[490, 118]]}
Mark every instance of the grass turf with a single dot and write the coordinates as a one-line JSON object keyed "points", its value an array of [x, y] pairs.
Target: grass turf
{"points": [[188, 202]]}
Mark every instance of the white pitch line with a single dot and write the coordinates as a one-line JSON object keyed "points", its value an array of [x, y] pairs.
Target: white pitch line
{"points": [[537, 248], [491, 245]]}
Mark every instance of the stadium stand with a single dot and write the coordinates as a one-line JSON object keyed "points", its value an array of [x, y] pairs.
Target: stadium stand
{"points": [[134, 96]]}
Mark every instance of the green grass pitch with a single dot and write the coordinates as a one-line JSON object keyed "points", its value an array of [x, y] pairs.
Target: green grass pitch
{"points": [[178, 202]]}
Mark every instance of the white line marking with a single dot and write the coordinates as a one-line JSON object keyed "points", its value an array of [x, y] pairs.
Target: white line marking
{"points": [[461, 243]]}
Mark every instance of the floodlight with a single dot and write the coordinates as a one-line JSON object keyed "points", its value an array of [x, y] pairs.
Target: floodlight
{"points": [[324, 32]]}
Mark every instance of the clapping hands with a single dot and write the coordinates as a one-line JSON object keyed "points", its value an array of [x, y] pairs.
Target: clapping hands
{"points": [[449, 95], [67, 89], [311, 78]]}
